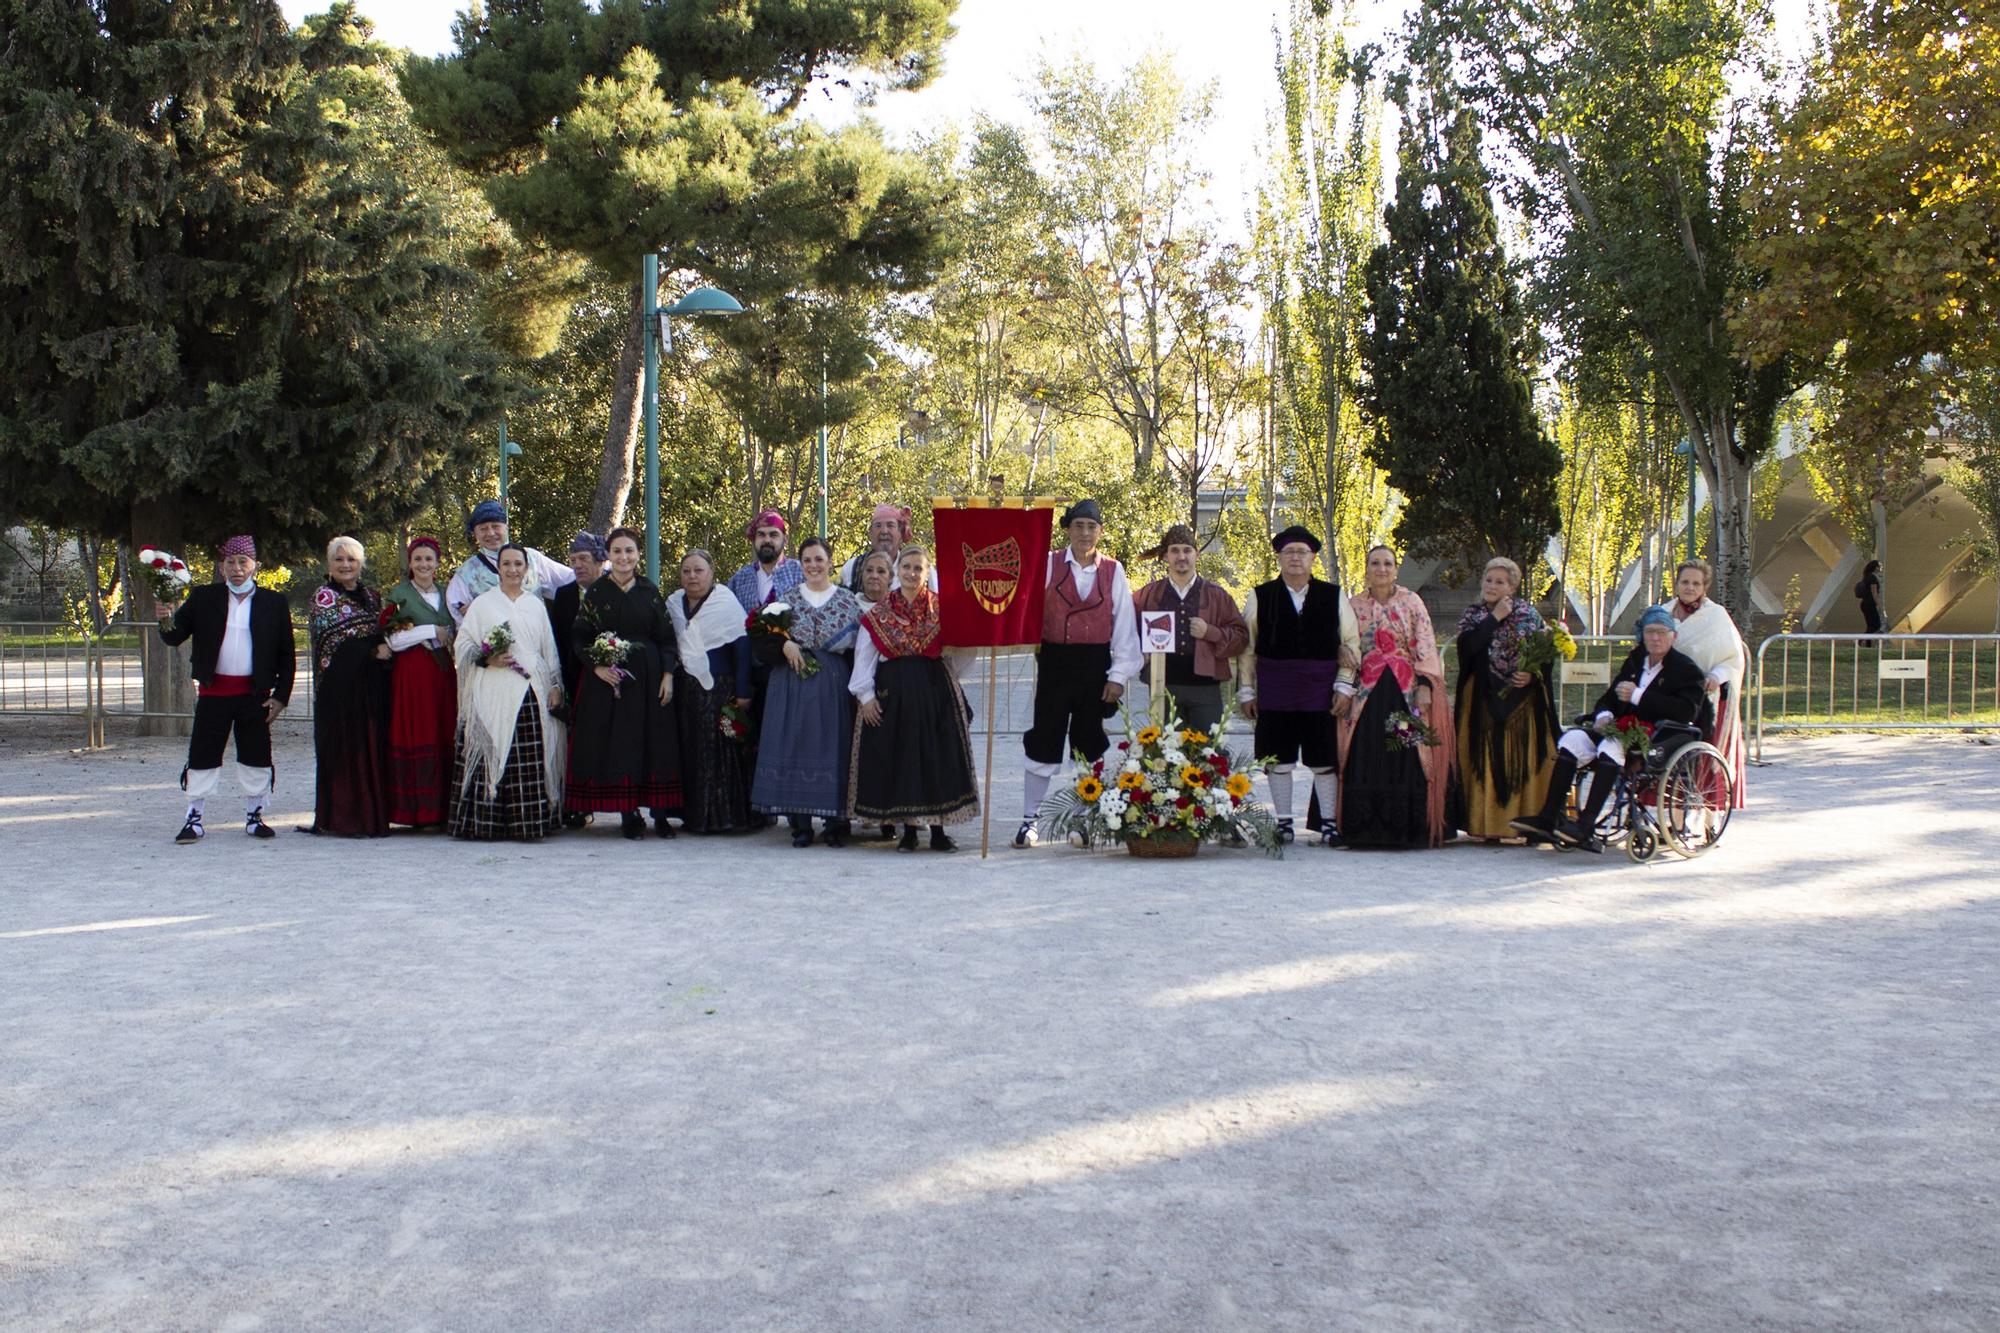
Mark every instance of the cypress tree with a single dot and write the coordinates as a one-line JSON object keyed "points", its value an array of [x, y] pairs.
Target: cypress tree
{"points": [[1449, 354], [223, 303]]}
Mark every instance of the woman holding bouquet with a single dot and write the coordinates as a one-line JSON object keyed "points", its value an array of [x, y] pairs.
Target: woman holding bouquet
{"points": [[423, 691], [624, 742], [1393, 795], [350, 658], [802, 757], [711, 695], [912, 758], [1506, 706], [507, 780]]}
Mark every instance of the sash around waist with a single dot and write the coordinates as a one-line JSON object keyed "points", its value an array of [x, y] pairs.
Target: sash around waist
{"points": [[1295, 684]]}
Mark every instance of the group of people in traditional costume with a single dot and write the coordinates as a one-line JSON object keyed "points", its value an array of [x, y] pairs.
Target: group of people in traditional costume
{"points": [[529, 695]]}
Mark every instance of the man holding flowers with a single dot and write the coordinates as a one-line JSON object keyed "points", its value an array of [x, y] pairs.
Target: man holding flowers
{"points": [[244, 660]]}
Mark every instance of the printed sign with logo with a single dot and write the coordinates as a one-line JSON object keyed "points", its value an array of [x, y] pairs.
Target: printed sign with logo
{"points": [[1156, 631]]}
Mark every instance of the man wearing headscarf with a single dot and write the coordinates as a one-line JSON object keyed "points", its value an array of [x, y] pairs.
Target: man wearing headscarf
{"points": [[1298, 676], [244, 660], [1208, 631], [486, 529], [1090, 649], [1657, 683], [888, 532], [773, 573]]}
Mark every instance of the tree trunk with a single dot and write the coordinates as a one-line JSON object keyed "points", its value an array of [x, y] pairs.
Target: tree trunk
{"points": [[1729, 499], [621, 433], [167, 691]]}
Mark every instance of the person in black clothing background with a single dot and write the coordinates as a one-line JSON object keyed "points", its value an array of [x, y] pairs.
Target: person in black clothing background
{"points": [[587, 558], [1869, 593], [244, 659], [1656, 683]]}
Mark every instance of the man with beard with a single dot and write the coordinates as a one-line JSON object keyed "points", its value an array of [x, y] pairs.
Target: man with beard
{"points": [[763, 581], [487, 530], [1208, 632]]}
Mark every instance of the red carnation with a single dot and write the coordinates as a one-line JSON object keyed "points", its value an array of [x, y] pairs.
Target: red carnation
{"points": [[159, 562], [1181, 802]]}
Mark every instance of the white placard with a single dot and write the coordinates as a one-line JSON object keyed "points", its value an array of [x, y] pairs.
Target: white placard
{"points": [[1586, 673], [1903, 668], [1156, 631]]}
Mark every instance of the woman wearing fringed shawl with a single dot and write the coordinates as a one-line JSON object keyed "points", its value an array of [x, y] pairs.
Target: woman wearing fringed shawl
{"points": [[1394, 797], [809, 718], [912, 757], [714, 675], [350, 700], [423, 691], [1506, 716], [1708, 635], [507, 780]]}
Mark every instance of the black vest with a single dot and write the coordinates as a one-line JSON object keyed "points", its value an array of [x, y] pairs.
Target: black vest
{"points": [[1284, 633]]}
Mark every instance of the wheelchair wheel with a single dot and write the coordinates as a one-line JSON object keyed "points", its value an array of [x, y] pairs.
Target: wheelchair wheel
{"points": [[1695, 794], [1642, 843]]}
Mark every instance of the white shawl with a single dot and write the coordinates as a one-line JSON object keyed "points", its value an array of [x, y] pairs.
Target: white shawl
{"points": [[1709, 636], [489, 698], [717, 622]]}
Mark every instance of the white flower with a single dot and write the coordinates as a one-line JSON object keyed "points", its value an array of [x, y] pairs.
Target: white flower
{"points": [[1176, 759], [775, 609], [1130, 766]]}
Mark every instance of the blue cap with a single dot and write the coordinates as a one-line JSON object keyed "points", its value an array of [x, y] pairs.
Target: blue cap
{"points": [[1657, 615], [486, 511]]}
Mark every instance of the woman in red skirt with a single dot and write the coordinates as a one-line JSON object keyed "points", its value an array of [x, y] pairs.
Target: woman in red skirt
{"points": [[423, 690]]}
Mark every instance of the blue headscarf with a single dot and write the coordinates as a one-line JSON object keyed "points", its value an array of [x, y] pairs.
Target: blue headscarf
{"points": [[591, 544], [1655, 615], [486, 511]]}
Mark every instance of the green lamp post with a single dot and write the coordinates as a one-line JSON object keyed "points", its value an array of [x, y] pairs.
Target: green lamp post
{"points": [[1686, 449], [508, 449], [659, 337]]}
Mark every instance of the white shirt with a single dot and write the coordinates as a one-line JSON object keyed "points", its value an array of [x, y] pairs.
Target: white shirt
{"points": [[233, 658], [816, 599], [403, 639], [1125, 653], [544, 577], [1646, 676]]}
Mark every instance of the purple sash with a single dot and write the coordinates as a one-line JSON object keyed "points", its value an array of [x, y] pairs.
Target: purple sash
{"points": [[1295, 685]]}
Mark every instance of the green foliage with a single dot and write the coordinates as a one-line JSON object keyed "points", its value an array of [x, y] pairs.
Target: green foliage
{"points": [[1449, 357], [224, 297]]}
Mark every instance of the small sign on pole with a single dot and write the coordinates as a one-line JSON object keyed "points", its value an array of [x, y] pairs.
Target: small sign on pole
{"points": [[1903, 668], [1586, 673]]}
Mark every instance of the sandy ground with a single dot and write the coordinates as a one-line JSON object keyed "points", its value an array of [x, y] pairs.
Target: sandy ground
{"points": [[730, 1085]]}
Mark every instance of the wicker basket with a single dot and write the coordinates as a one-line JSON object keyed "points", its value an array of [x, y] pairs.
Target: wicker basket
{"points": [[1163, 848]]}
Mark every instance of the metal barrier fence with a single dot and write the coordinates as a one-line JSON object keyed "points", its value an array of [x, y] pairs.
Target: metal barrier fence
{"points": [[1877, 682], [49, 668]]}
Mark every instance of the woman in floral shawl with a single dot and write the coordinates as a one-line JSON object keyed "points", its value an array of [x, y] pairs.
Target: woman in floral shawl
{"points": [[1506, 716], [350, 660], [912, 758], [1394, 797], [808, 715]]}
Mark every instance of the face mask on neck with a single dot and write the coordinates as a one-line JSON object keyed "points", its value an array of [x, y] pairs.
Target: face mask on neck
{"points": [[243, 588]]}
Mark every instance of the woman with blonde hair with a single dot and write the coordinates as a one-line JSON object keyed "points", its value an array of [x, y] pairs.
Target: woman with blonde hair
{"points": [[350, 663], [1506, 716]]}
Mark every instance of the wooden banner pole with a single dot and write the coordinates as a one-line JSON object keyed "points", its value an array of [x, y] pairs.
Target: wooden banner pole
{"points": [[1156, 702], [986, 807]]}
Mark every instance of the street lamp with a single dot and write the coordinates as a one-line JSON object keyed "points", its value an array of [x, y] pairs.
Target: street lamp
{"points": [[820, 457], [1686, 448], [508, 449], [659, 335]]}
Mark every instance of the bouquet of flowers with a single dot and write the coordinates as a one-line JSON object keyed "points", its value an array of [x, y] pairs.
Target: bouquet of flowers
{"points": [[770, 629], [734, 723], [1167, 781], [167, 572], [393, 620], [1543, 649], [1407, 731], [1630, 731], [608, 650], [498, 640]]}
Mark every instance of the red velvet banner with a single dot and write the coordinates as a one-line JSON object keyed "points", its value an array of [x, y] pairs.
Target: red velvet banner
{"points": [[992, 574]]}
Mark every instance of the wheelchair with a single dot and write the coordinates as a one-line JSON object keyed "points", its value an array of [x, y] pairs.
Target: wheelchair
{"points": [[1678, 795]]}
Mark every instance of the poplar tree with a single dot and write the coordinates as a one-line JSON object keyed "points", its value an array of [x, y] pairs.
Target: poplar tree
{"points": [[1449, 353]]}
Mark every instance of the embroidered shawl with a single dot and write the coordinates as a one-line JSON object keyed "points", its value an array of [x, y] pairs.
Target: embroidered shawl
{"points": [[339, 617], [829, 627], [1503, 646], [901, 627]]}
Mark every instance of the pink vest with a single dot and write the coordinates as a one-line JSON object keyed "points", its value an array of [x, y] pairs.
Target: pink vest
{"points": [[1066, 618]]}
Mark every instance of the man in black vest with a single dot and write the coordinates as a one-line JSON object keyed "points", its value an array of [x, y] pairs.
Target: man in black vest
{"points": [[1297, 677], [244, 660]]}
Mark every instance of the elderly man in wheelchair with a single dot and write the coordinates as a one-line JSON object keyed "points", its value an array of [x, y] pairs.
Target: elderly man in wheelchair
{"points": [[1667, 782]]}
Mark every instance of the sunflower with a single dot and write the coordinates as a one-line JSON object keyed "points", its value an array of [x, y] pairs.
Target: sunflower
{"points": [[1193, 777], [1192, 737], [1238, 785], [1089, 788], [1131, 781], [1147, 735]]}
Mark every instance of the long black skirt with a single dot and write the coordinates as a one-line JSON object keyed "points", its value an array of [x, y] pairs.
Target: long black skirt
{"points": [[520, 808], [1384, 795], [915, 766], [624, 747], [715, 772]]}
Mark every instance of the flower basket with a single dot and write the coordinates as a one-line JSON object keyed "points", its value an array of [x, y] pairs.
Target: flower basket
{"points": [[1163, 846]]}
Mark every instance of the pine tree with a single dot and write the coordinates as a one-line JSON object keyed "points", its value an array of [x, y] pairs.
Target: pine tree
{"points": [[1448, 356], [223, 306]]}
